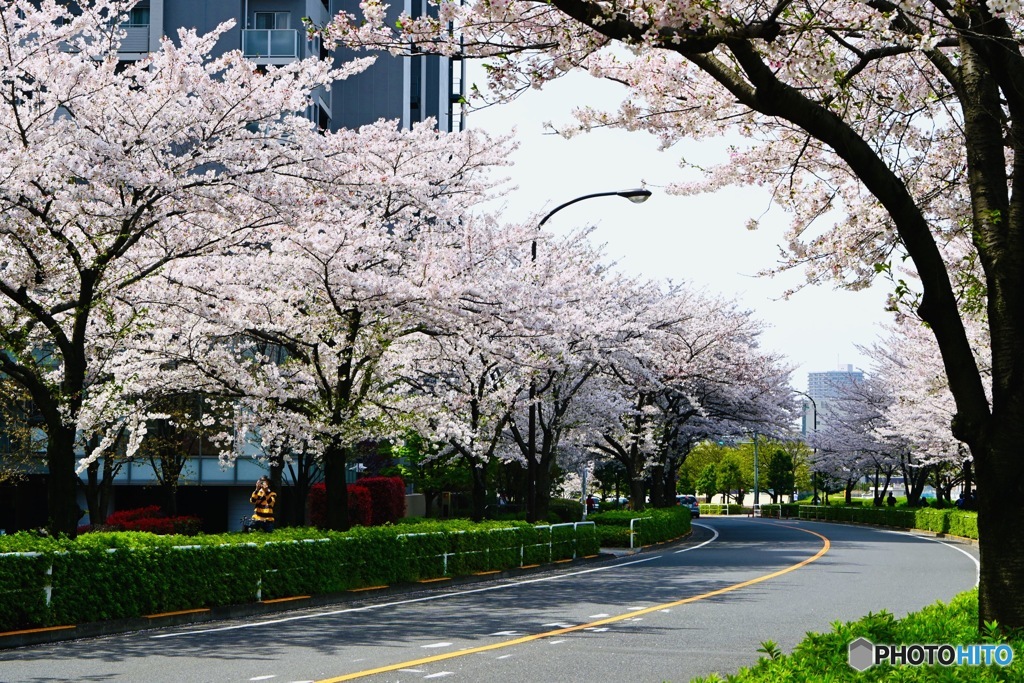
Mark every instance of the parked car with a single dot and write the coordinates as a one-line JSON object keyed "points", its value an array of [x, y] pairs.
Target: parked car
{"points": [[690, 502]]}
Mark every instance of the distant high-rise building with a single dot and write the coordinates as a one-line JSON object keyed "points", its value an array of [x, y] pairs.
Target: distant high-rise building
{"points": [[824, 388]]}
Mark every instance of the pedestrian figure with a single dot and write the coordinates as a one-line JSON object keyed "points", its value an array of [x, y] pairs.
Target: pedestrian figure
{"points": [[891, 500], [264, 499]]}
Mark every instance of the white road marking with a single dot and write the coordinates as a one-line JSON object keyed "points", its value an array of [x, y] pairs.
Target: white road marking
{"points": [[712, 529], [263, 678], [597, 629], [439, 674], [556, 642], [598, 616], [977, 564], [557, 625], [504, 657], [505, 633], [411, 671], [432, 645]]}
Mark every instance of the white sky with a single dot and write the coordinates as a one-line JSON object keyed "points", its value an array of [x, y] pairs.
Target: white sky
{"points": [[702, 240]]}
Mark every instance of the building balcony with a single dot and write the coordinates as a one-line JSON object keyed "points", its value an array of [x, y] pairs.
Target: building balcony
{"points": [[271, 45], [136, 38]]}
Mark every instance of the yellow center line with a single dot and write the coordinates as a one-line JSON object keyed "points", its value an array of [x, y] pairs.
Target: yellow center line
{"points": [[592, 624]]}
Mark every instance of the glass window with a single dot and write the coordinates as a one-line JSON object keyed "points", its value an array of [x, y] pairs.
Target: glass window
{"points": [[271, 20], [138, 16]]}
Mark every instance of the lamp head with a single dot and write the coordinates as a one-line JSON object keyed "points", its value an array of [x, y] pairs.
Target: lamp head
{"points": [[638, 196]]}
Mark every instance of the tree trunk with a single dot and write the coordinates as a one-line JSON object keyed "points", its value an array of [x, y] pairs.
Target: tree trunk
{"points": [[636, 492], [336, 488], [62, 482], [532, 513], [542, 492], [479, 491], [1000, 482]]}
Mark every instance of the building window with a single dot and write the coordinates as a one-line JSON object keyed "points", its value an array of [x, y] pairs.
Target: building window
{"points": [[271, 37], [137, 16], [271, 20]]}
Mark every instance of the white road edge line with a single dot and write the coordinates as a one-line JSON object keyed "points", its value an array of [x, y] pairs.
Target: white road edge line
{"points": [[972, 558], [367, 608], [712, 529]]}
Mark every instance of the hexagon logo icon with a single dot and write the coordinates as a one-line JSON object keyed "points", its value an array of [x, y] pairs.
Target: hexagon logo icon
{"points": [[862, 654]]}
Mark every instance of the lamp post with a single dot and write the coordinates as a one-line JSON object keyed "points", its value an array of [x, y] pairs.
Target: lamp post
{"points": [[636, 196], [757, 489], [814, 474]]}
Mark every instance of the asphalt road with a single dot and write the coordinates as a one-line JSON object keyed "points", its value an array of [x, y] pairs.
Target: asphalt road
{"points": [[669, 614]]}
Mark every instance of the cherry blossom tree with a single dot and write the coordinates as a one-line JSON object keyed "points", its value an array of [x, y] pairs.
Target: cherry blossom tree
{"points": [[693, 371], [854, 440], [908, 364], [899, 117], [311, 328], [111, 172]]}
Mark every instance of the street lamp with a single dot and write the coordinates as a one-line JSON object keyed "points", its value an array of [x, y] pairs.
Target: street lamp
{"points": [[636, 196], [814, 473]]}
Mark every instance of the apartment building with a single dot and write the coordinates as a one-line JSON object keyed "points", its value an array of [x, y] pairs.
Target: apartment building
{"points": [[409, 90], [824, 388]]}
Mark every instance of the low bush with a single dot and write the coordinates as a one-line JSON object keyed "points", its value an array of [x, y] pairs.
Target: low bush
{"points": [[938, 520], [86, 576], [655, 525], [360, 505], [387, 498], [150, 519], [564, 510], [717, 509], [824, 657]]}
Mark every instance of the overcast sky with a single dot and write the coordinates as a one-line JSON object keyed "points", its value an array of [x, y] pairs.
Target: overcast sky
{"points": [[702, 240]]}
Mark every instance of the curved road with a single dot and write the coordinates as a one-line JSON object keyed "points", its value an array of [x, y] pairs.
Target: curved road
{"points": [[669, 614]]}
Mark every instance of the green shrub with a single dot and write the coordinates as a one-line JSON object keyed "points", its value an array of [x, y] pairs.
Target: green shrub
{"points": [[655, 525], [938, 520], [963, 523], [107, 575], [932, 519], [823, 657], [565, 510], [23, 580]]}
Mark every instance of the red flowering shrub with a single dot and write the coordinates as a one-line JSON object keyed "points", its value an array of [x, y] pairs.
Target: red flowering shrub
{"points": [[387, 497], [122, 517], [151, 519], [359, 505]]}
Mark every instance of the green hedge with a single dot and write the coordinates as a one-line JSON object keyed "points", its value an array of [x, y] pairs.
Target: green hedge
{"points": [[715, 509], [103, 576], [824, 657], [655, 525], [939, 520]]}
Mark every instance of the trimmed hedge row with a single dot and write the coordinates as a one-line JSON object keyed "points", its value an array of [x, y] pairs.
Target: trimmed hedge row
{"points": [[716, 508], [824, 657], [100, 576], [939, 520], [655, 526]]}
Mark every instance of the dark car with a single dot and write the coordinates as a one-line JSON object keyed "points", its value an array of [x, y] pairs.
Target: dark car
{"points": [[690, 502]]}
